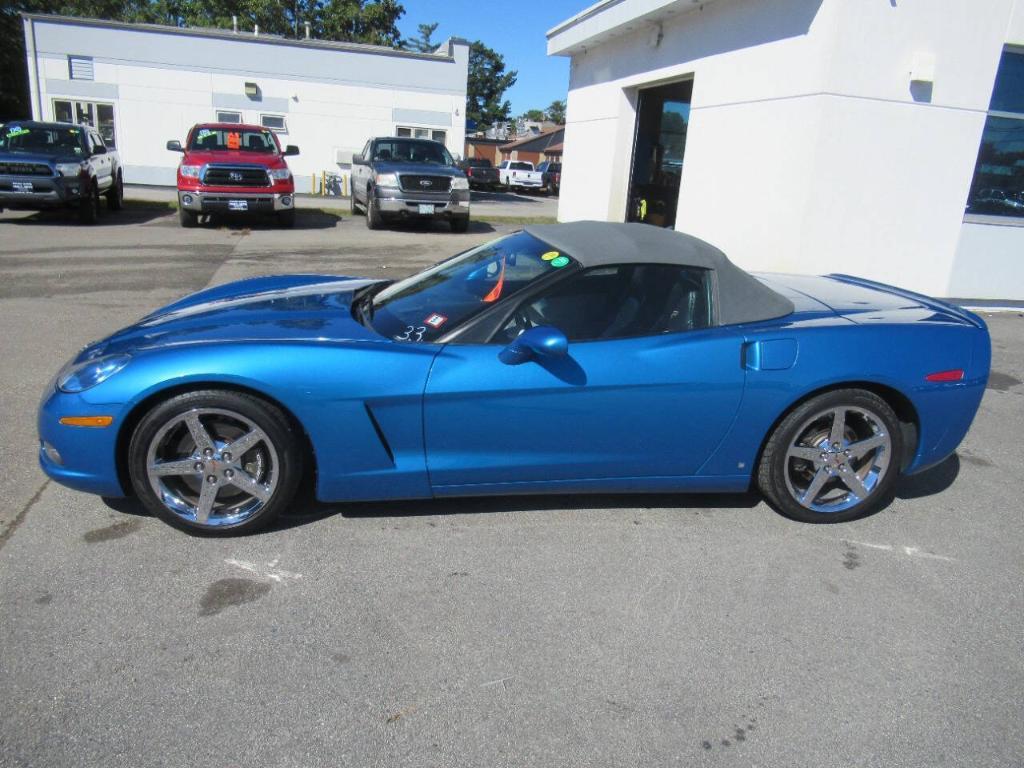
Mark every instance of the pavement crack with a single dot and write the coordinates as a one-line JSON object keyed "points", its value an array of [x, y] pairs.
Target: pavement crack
{"points": [[9, 531]]}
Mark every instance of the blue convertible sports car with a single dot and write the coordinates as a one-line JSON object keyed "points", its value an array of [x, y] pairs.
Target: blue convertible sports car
{"points": [[585, 357]]}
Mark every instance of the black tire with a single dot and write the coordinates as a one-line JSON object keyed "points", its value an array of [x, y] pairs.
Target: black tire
{"points": [[89, 207], [373, 218], [286, 443], [115, 195], [781, 476], [187, 218], [459, 224], [286, 219]]}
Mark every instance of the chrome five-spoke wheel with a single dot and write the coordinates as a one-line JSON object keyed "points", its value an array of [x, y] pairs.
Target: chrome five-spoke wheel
{"points": [[215, 461], [212, 466], [833, 458]]}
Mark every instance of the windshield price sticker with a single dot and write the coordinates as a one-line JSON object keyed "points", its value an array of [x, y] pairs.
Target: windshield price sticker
{"points": [[435, 320], [234, 141], [549, 256], [203, 133], [561, 261], [16, 130]]}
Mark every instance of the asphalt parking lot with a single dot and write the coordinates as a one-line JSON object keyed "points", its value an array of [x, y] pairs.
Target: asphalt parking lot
{"points": [[550, 631]]}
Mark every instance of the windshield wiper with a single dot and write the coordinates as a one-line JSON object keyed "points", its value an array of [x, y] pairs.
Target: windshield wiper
{"points": [[362, 301]]}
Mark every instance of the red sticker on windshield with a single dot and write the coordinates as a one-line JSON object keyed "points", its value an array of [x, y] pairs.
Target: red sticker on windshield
{"points": [[234, 140], [435, 320]]}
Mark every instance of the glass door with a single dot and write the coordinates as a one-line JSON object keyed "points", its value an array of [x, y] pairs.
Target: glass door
{"points": [[99, 116], [662, 116]]}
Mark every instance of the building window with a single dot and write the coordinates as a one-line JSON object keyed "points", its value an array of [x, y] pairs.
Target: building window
{"points": [[403, 131], [99, 116], [998, 185], [80, 68], [274, 123], [229, 117]]}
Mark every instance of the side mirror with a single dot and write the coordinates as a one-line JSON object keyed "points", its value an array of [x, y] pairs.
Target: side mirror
{"points": [[290, 150], [540, 342], [174, 146], [358, 160]]}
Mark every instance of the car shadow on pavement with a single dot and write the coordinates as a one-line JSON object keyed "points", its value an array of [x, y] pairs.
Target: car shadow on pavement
{"points": [[501, 196], [305, 218], [306, 510], [68, 217]]}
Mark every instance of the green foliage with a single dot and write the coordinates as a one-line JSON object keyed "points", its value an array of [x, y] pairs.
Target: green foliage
{"points": [[487, 84], [533, 115], [423, 43], [359, 21], [556, 112]]}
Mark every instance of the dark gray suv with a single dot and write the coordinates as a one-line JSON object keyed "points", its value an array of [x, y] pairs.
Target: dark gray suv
{"points": [[403, 178]]}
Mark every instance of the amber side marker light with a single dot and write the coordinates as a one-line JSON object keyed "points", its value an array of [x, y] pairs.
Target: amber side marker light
{"points": [[87, 421], [957, 374]]}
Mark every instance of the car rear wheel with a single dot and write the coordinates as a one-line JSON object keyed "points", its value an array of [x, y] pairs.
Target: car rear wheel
{"points": [[187, 218], [89, 206], [833, 459], [115, 195], [215, 462]]}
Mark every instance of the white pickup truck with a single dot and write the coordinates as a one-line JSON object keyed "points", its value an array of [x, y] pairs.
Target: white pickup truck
{"points": [[519, 174]]}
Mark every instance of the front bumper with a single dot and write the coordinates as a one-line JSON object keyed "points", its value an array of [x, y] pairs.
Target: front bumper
{"points": [[82, 458], [46, 191], [232, 202], [395, 202]]}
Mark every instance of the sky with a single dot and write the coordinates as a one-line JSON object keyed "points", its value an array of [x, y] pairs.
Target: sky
{"points": [[515, 30]]}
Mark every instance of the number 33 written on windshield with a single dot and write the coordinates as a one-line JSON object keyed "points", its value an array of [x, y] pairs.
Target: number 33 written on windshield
{"points": [[412, 333]]}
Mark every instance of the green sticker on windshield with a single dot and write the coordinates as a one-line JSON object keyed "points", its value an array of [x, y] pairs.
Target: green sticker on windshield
{"points": [[16, 130], [549, 256], [561, 261]]}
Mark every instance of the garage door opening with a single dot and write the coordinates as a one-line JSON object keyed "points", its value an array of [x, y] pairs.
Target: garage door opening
{"points": [[662, 115]]}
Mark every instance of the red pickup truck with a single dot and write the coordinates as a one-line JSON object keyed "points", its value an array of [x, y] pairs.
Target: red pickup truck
{"points": [[234, 168]]}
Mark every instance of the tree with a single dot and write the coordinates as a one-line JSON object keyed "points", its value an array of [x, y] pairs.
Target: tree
{"points": [[556, 112], [533, 115], [486, 86], [423, 43]]}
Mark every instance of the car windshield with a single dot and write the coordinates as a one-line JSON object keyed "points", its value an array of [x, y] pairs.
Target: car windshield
{"points": [[520, 166], [412, 151], [244, 139], [41, 139], [427, 305]]}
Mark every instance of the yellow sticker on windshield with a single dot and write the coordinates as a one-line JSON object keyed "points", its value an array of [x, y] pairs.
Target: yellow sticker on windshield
{"points": [[549, 255]]}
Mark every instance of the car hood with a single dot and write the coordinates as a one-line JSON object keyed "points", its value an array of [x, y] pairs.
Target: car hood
{"points": [[39, 157], [283, 308], [265, 159], [421, 169]]}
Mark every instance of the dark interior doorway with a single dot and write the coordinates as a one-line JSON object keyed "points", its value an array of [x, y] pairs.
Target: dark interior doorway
{"points": [[662, 116]]}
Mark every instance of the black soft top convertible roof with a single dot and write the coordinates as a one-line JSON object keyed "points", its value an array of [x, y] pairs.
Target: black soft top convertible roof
{"points": [[742, 298]]}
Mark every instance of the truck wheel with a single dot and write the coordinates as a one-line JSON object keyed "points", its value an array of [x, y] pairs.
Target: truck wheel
{"points": [[286, 218], [89, 207], [187, 218], [373, 217], [459, 224], [115, 195]]}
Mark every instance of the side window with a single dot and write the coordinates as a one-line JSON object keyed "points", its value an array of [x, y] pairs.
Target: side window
{"points": [[366, 150], [95, 141], [619, 301]]}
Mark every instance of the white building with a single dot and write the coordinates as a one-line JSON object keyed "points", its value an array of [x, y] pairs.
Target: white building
{"points": [[144, 84], [808, 136]]}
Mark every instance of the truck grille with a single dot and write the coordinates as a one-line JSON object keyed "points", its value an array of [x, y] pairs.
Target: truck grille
{"points": [[415, 183], [236, 176], [25, 169]]}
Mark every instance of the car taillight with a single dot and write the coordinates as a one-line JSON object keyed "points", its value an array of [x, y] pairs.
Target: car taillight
{"points": [[956, 374]]}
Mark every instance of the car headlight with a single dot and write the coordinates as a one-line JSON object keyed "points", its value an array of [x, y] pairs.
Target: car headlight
{"points": [[70, 169], [387, 179], [82, 376], [280, 174], [190, 171], [460, 182]]}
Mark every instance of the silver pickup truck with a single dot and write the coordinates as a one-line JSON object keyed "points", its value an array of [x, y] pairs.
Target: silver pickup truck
{"points": [[403, 178]]}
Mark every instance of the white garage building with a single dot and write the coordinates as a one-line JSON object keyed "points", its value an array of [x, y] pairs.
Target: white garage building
{"points": [[143, 84], [882, 138]]}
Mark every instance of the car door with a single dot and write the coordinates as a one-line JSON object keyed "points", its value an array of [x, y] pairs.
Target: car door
{"points": [[647, 390], [101, 161]]}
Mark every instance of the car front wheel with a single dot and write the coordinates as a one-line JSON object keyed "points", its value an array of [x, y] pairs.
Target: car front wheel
{"points": [[187, 218], [89, 206], [833, 459], [215, 462], [373, 218], [115, 195]]}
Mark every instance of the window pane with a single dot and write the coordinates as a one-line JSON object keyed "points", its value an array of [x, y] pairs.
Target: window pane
{"points": [[274, 122], [1008, 93], [105, 116], [998, 186], [83, 113], [440, 136], [62, 112], [229, 117], [404, 132], [619, 302], [421, 133]]}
